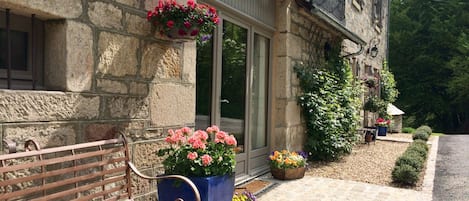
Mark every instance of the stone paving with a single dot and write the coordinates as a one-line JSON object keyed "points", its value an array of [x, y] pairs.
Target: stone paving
{"points": [[324, 189]]}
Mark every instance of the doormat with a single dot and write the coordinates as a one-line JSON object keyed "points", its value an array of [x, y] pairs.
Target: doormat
{"points": [[255, 186]]}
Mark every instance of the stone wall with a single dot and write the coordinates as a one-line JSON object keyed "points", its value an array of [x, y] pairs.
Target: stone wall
{"points": [[298, 35], [358, 17], [106, 72]]}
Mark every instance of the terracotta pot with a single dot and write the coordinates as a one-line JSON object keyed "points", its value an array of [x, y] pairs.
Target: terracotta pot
{"points": [[288, 174]]}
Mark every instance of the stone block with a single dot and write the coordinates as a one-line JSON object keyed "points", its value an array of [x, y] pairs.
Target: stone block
{"points": [[295, 138], [137, 88], [117, 54], [279, 139], [161, 62], [150, 4], [133, 3], [95, 132], [80, 59], [144, 155], [282, 74], [69, 69], [189, 59], [172, 105], [55, 58], [293, 113], [143, 186], [22, 106], [127, 107], [280, 110], [111, 86], [283, 16], [137, 25], [105, 15], [46, 135], [50, 9]]}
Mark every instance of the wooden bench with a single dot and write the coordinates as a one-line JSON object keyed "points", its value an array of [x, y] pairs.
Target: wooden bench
{"points": [[99, 170]]}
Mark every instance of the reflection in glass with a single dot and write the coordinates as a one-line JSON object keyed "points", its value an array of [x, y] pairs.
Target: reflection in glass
{"points": [[233, 86], [204, 68], [258, 96]]}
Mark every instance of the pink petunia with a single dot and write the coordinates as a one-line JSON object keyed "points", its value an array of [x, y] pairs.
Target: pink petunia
{"points": [[206, 160], [191, 3], [187, 24], [192, 156], [182, 32], [215, 20], [170, 24], [194, 32]]}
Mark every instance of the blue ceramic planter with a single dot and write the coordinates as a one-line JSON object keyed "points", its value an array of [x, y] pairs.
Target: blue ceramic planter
{"points": [[382, 131], [214, 188]]}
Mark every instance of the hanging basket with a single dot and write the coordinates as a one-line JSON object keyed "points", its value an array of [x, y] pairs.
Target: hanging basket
{"points": [[182, 34]]}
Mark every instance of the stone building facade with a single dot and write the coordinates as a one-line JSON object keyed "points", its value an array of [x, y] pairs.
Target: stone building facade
{"points": [[104, 70]]}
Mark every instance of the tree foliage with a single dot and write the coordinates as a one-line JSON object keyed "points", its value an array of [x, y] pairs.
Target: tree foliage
{"points": [[429, 48]]}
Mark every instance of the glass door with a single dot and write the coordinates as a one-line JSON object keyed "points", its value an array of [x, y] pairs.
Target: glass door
{"points": [[232, 91]]}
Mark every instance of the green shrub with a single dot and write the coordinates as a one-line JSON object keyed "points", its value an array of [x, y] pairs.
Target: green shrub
{"points": [[427, 129], [405, 174], [420, 135], [417, 150], [411, 158], [420, 143], [408, 130]]}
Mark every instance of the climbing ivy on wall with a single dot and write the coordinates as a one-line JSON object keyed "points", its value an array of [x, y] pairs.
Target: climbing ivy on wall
{"points": [[330, 102]]}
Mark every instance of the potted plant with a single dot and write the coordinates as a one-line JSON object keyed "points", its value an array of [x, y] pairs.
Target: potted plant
{"points": [[382, 125], [178, 21], [206, 157], [370, 82], [245, 196], [286, 165]]}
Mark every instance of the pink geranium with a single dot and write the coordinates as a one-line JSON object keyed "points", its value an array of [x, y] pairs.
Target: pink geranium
{"points": [[194, 153], [206, 160]]}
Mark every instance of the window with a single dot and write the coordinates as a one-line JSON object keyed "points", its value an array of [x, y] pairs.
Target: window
{"points": [[377, 14], [21, 55]]}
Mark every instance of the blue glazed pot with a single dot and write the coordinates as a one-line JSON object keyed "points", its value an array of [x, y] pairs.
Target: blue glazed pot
{"points": [[382, 131], [214, 188]]}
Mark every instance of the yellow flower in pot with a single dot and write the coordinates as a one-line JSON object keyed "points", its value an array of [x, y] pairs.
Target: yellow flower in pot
{"points": [[287, 165]]}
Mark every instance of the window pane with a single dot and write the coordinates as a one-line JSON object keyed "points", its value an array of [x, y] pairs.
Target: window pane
{"points": [[204, 69], [258, 96], [19, 49], [233, 86]]}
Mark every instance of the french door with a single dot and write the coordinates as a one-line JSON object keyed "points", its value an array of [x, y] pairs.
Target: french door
{"points": [[232, 91]]}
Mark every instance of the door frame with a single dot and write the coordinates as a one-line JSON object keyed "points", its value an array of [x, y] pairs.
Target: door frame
{"points": [[215, 116]]}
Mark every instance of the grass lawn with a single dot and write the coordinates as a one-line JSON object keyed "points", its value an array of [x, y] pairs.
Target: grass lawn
{"points": [[437, 134]]}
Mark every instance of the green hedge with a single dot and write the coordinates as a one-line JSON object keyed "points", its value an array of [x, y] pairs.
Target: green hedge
{"points": [[408, 130], [409, 165], [426, 129], [420, 135]]}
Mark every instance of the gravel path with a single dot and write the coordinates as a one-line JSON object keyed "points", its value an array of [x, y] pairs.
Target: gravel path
{"points": [[371, 163]]}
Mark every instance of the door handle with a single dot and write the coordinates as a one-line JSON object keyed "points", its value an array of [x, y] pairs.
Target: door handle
{"points": [[224, 101]]}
